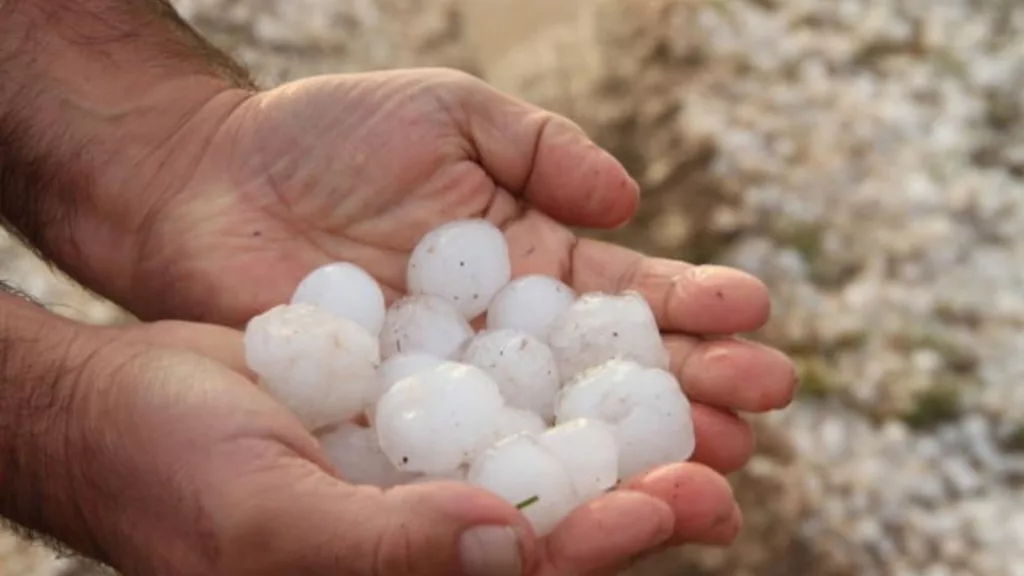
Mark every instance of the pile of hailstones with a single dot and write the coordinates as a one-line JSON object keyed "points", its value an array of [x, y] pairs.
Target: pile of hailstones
{"points": [[552, 403]]}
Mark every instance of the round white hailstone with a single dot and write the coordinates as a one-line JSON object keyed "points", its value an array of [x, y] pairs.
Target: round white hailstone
{"points": [[354, 451], [396, 368], [521, 364], [439, 418], [403, 365], [598, 327], [590, 453], [646, 408], [423, 324], [320, 366], [513, 421], [524, 473], [459, 475], [530, 304], [466, 262], [346, 290]]}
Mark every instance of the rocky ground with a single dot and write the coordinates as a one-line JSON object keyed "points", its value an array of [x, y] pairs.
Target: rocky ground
{"points": [[864, 157]]}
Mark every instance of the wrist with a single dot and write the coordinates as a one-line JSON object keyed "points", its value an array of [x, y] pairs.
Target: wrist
{"points": [[40, 359], [104, 106], [76, 463]]}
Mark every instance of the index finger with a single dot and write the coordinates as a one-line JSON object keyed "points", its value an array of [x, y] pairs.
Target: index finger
{"points": [[702, 300]]}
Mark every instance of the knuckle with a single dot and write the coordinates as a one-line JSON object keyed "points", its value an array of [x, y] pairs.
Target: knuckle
{"points": [[792, 382], [394, 552], [778, 391], [455, 77]]}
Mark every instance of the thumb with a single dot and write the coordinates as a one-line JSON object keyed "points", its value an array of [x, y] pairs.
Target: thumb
{"points": [[308, 522], [545, 159]]}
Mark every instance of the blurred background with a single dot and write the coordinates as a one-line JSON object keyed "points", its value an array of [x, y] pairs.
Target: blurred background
{"points": [[864, 157]]}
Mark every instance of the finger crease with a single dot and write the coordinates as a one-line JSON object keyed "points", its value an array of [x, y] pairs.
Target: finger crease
{"points": [[568, 273], [531, 168]]}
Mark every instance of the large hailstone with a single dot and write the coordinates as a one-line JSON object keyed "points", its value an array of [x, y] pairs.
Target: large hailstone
{"points": [[590, 453], [522, 365], [439, 418], [530, 304], [598, 327], [345, 290], [650, 416], [403, 365], [399, 367], [459, 475], [512, 421], [465, 262], [355, 452], [320, 366], [524, 473], [423, 324]]}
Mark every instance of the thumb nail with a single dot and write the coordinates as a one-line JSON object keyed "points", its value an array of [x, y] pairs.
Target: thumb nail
{"points": [[490, 551]]}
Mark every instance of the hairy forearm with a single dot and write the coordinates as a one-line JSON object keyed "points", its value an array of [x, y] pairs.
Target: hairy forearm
{"points": [[40, 357], [93, 96]]}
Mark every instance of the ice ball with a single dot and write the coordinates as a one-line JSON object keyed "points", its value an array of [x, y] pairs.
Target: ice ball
{"points": [[346, 290], [320, 366], [465, 262]]}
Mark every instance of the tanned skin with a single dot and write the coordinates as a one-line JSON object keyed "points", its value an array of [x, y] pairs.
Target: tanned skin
{"points": [[89, 90]]}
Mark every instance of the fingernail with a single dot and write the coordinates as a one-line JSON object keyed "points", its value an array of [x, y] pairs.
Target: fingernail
{"points": [[725, 529], [490, 551]]}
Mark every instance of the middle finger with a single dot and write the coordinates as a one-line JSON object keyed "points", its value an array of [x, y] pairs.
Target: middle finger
{"points": [[731, 373], [725, 442]]}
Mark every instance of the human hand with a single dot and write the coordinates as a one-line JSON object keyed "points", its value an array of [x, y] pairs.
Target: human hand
{"points": [[179, 197], [174, 462], [359, 167]]}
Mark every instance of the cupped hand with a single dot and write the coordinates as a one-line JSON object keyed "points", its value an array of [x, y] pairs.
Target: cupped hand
{"points": [[183, 466], [359, 167]]}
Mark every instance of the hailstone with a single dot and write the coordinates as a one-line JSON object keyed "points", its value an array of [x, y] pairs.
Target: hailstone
{"points": [[556, 400], [588, 450], [530, 304], [598, 327], [524, 473], [355, 452], [320, 366], [465, 262], [403, 365], [512, 421], [439, 418], [459, 475], [646, 408], [346, 290], [423, 324], [522, 365]]}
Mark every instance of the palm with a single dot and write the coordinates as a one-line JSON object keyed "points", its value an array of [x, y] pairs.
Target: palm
{"points": [[345, 169]]}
